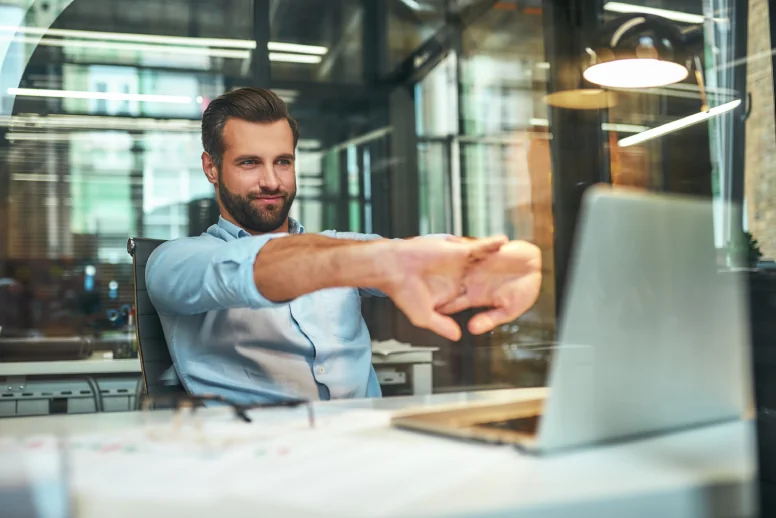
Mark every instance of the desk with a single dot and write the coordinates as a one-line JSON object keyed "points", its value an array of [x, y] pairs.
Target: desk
{"points": [[27, 387], [419, 359], [99, 364], [706, 472], [93, 365], [44, 387]]}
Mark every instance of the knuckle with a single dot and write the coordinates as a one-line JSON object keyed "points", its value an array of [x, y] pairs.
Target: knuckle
{"points": [[534, 257], [503, 300], [418, 321]]}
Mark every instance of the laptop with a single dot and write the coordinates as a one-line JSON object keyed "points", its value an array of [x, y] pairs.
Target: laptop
{"points": [[653, 336]]}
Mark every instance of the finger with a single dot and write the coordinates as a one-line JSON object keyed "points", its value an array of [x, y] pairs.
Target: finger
{"points": [[488, 320], [482, 248], [454, 306], [452, 303], [509, 303], [418, 309], [444, 326]]}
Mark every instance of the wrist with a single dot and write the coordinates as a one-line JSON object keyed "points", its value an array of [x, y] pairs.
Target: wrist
{"points": [[385, 264], [365, 264]]}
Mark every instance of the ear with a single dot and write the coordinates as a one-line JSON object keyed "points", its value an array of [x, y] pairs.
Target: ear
{"points": [[210, 169]]}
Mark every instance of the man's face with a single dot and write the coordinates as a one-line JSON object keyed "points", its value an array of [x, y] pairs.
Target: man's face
{"points": [[257, 181]]}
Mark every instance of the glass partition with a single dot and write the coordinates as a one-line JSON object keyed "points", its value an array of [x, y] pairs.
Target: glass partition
{"points": [[416, 117]]}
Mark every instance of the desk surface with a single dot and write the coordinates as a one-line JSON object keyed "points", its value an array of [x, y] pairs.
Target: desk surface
{"points": [[696, 473], [97, 364], [71, 367]]}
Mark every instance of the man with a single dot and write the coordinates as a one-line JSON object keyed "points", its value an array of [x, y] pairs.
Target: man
{"points": [[256, 310]]}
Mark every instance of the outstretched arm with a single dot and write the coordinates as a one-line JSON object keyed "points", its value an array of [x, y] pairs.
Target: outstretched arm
{"points": [[420, 275], [196, 275]]}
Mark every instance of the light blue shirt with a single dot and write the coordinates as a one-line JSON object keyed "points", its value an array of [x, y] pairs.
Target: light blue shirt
{"points": [[225, 338]]}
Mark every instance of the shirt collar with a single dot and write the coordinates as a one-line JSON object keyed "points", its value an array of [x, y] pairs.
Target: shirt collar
{"points": [[294, 227]]}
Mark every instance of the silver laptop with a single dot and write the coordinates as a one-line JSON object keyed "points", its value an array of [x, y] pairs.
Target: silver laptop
{"points": [[653, 336]]}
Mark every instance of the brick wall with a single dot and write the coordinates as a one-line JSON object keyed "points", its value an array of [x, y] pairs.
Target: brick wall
{"points": [[760, 162]]}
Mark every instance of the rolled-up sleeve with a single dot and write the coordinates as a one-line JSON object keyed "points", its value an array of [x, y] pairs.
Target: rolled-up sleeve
{"points": [[195, 275]]}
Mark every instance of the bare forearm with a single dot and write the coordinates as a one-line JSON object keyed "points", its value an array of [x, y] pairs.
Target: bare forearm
{"points": [[293, 266]]}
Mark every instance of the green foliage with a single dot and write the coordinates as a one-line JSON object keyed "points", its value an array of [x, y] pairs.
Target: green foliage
{"points": [[744, 250]]}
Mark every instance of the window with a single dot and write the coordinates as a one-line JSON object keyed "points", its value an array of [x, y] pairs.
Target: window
{"points": [[415, 118]]}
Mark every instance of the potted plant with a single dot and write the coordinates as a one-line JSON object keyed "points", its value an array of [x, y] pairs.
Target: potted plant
{"points": [[744, 250]]}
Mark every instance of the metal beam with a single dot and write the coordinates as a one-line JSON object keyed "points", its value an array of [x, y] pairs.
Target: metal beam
{"points": [[260, 64], [435, 48], [740, 44], [375, 39]]}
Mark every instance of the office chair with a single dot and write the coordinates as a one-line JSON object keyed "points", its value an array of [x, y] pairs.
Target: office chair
{"points": [[152, 347]]}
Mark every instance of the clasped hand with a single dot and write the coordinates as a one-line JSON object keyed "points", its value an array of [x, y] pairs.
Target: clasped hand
{"points": [[432, 279]]}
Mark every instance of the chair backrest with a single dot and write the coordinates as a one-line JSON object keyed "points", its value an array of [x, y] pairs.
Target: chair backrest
{"points": [[152, 347]]}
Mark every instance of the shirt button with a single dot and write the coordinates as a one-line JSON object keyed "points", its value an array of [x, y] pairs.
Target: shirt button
{"points": [[321, 369]]}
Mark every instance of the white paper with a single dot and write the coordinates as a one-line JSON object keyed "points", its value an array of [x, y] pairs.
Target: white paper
{"points": [[388, 347], [345, 466]]}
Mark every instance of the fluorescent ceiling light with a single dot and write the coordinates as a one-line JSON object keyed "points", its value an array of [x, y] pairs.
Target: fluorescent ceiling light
{"points": [[34, 177], [179, 41], [134, 47], [309, 143], [40, 137], [100, 138], [677, 16], [623, 128], [295, 47], [678, 91], [413, 4], [294, 58], [143, 38], [696, 89], [678, 124], [606, 126], [98, 122], [84, 178], [109, 96]]}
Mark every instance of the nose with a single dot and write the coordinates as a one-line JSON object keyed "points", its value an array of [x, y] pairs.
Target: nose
{"points": [[268, 180]]}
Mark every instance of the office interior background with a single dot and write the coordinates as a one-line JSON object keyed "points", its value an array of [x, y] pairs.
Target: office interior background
{"points": [[416, 116]]}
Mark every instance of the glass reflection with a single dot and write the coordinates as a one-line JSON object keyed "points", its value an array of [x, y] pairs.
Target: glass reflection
{"points": [[99, 141]]}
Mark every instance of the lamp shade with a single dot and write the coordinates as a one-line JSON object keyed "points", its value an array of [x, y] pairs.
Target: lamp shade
{"points": [[582, 99], [637, 51]]}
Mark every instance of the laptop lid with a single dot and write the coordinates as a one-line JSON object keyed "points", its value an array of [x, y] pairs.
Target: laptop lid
{"points": [[653, 336]]}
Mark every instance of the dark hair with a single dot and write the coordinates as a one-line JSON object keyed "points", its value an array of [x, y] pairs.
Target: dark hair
{"points": [[248, 104]]}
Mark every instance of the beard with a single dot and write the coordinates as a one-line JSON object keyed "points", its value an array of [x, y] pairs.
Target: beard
{"points": [[250, 216]]}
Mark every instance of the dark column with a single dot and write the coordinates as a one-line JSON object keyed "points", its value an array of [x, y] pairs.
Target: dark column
{"points": [[342, 204], [772, 20], [136, 183], [5, 194], [579, 158], [381, 186], [405, 205], [740, 42], [463, 356], [260, 65], [375, 39]]}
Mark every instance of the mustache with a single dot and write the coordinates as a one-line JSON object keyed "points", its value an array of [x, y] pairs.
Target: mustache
{"points": [[266, 194]]}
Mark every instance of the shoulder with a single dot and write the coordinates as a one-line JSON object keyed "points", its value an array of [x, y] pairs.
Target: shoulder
{"points": [[204, 240], [185, 245]]}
